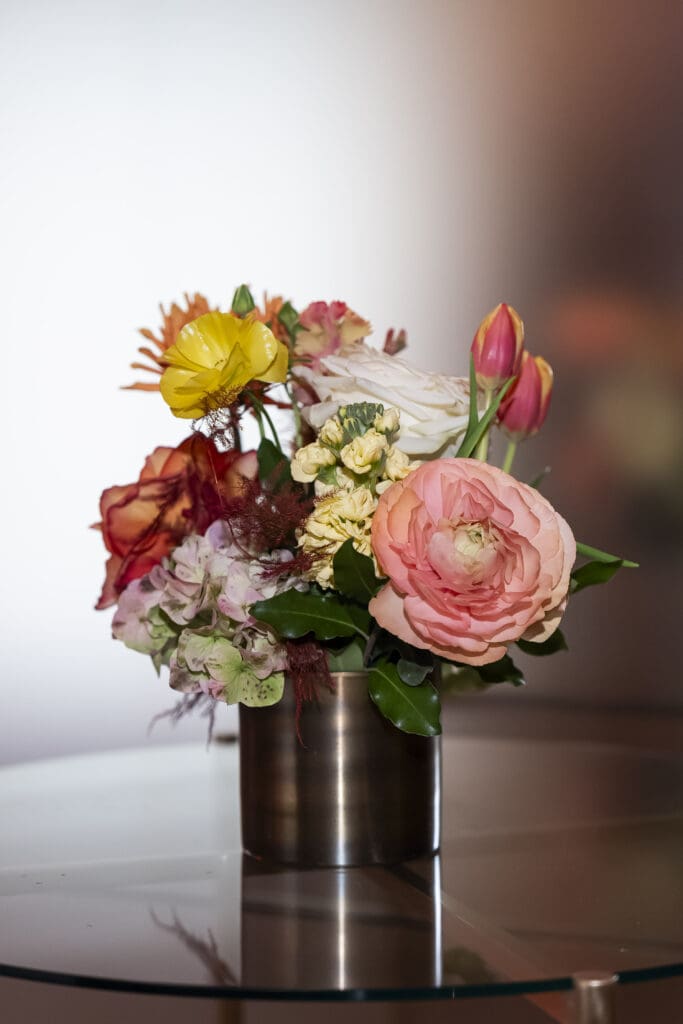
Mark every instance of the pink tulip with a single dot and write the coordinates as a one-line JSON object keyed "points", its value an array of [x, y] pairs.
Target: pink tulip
{"points": [[497, 347], [525, 407]]}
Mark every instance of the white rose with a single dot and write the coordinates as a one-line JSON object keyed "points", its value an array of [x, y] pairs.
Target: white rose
{"points": [[433, 407]]}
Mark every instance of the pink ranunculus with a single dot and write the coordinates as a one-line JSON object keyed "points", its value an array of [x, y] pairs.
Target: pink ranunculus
{"points": [[475, 560]]}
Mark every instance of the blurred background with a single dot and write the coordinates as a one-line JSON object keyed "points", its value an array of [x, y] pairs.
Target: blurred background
{"points": [[421, 162]]}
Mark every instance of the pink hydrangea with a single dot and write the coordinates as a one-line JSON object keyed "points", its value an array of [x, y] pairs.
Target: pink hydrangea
{"points": [[475, 560]]}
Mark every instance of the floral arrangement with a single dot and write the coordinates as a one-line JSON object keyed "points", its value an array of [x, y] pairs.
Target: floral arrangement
{"points": [[367, 530]]}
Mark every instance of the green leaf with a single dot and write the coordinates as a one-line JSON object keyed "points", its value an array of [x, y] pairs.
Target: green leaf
{"points": [[414, 709], [294, 614], [289, 318], [273, 467], [328, 475], [473, 418], [385, 645], [360, 616], [473, 437], [242, 301], [347, 659], [540, 477], [411, 673], [502, 671], [457, 679], [602, 556], [555, 642], [354, 574], [593, 573]]}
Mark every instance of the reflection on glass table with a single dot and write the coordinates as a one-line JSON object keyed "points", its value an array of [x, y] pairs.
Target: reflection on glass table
{"points": [[124, 871]]}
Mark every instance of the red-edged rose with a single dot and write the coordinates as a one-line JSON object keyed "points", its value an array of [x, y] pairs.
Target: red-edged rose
{"points": [[180, 490]]}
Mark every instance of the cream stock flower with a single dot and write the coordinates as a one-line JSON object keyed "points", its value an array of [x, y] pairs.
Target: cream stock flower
{"points": [[397, 465], [309, 460], [361, 454], [331, 432], [343, 479], [335, 519], [388, 422]]}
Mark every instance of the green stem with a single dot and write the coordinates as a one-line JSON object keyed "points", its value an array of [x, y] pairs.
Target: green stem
{"points": [[259, 421], [296, 413], [602, 556], [483, 447], [273, 431], [261, 411], [509, 456]]}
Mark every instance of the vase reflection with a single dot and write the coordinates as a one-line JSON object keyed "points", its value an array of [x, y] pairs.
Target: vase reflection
{"points": [[341, 928], [319, 930]]}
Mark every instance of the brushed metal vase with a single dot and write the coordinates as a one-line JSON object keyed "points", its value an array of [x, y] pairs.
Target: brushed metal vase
{"points": [[358, 791]]}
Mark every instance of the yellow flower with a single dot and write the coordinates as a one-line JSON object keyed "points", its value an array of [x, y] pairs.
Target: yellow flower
{"points": [[213, 360]]}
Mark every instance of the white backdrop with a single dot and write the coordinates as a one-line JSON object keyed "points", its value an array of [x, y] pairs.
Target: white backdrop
{"points": [[152, 148], [376, 151]]}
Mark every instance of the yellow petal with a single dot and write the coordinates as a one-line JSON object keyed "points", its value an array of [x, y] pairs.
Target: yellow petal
{"points": [[259, 345], [204, 343], [277, 371], [183, 400]]}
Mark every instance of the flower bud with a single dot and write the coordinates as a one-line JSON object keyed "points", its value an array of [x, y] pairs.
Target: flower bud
{"points": [[497, 347], [524, 408], [242, 301], [387, 422]]}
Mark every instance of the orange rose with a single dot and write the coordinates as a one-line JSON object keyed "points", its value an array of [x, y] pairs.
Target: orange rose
{"points": [[180, 490]]}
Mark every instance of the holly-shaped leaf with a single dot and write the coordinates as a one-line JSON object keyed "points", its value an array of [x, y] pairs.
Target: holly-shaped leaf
{"points": [[555, 642], [294, 614], [413, 709], [354, 574], [273, 467], [593, 573]]}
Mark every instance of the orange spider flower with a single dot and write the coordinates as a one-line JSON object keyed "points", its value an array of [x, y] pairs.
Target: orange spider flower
{"points": [[268, 315], [172, 324]]}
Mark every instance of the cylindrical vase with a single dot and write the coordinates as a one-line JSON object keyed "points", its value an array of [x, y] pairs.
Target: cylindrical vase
{"points": [[353, 790]]}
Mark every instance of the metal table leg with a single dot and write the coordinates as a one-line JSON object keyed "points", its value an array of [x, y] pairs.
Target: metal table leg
{"points": [[594, 997]]}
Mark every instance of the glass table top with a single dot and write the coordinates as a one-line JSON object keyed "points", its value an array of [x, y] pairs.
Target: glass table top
{"points": [[124, 871]]}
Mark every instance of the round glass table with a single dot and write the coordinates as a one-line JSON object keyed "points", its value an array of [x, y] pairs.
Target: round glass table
{"points": [[123, 871]]}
